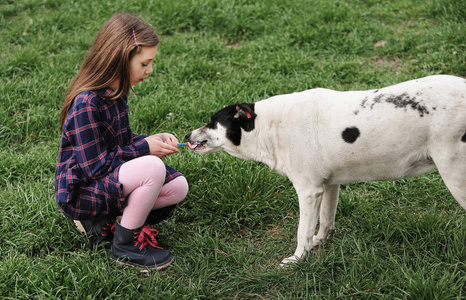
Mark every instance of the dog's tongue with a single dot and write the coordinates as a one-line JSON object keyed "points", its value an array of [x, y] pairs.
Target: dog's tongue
{"points": [[191, 146]]}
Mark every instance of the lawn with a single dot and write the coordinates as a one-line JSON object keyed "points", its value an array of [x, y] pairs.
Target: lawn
{"points": [[394, 240]]}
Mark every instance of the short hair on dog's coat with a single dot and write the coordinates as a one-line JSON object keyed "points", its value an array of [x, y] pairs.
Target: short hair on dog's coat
{"points": [[322, 138]]}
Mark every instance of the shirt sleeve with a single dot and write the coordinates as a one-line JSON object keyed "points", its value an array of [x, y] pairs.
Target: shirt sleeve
{"points": [[138, 137], [90, 147]]}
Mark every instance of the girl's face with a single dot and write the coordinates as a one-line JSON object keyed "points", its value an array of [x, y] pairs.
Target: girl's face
{"points": [[140, 65]]}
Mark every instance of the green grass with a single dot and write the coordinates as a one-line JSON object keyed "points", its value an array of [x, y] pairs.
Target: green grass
{"points": [[403, 240]]}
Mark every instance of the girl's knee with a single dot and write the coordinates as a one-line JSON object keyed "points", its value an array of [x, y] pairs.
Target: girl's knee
{"points": [[153, 166], [174, 192], [183, 187], [150, 169]]}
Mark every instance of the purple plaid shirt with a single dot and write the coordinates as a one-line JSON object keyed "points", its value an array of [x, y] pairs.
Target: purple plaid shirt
{"points": [[96, 141]]}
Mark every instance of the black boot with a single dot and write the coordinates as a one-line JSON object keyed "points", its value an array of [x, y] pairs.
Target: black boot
{"points": [[99, 231], [138, 247], [158, 215]]}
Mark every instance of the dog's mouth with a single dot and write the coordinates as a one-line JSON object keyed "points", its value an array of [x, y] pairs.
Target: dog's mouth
{"points": [[198, 145]]}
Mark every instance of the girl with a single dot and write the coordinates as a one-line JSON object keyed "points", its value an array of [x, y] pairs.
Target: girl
{"points": [[103, 169]]}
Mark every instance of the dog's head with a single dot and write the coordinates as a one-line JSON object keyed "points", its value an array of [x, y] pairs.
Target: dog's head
{"points": [[224, 129]]}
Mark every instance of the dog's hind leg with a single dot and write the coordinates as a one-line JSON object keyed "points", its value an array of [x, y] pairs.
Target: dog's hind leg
{"points": [[328, 210], [453, 172], [455, 180], [310, 198]]}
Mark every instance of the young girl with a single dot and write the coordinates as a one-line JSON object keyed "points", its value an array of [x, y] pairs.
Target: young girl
{"points": [[103, 169]]}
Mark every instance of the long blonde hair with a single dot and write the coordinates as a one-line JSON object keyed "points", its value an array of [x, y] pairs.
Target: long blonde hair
{"points": [[108, 59]]}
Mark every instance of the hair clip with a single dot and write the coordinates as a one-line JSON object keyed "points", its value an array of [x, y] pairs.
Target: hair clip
{"points": [[134, 35]]}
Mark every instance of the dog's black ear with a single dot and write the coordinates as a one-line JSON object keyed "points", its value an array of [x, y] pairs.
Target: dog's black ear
{"points": [[245, 110], [245, 115]]}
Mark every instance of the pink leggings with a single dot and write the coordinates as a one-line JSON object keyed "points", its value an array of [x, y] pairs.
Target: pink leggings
{"points": [[142, 180]]}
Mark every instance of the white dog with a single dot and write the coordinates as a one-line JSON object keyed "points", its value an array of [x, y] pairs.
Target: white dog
{"points": [[322, 138]]}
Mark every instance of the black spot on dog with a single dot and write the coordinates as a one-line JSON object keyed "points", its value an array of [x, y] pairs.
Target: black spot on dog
{"points": [[366, 103], [400, 101], [405, 101], [377, 100], [463, 139], [350, 134], [363, 102]]}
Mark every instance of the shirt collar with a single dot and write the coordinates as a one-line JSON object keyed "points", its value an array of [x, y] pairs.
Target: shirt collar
{"points": [[106, 92]]}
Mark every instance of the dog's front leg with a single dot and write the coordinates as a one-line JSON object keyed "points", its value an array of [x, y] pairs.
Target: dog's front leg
{"points": [[310, 198], [328, 210]]}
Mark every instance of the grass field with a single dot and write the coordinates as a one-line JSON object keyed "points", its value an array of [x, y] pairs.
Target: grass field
{"points": [[394, 240]]}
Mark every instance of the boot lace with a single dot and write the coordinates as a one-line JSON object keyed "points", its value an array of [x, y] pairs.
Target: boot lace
{"points": [[146, 236], [109, 227]]}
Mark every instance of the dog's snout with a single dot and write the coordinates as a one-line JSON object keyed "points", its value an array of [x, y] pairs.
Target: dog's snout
{"points": [[187, 136]]}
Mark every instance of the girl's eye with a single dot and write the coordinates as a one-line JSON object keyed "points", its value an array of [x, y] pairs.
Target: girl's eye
{"points": [[144, 65]]}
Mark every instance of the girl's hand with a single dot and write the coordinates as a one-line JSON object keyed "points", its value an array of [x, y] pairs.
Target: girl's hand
{"points": [[162, 144]]}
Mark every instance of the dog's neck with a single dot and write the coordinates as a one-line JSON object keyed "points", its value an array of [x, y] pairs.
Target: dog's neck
{"points": [[253, 147]]}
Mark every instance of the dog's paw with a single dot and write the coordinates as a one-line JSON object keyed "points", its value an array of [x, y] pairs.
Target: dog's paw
{"points": [[316, 241], [289, 261]]}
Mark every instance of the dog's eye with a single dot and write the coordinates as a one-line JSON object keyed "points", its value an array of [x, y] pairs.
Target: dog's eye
{"points": [[211, 125]]}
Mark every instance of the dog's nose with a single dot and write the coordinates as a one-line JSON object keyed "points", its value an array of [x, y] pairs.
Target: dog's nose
{"points": [[187, 136]]}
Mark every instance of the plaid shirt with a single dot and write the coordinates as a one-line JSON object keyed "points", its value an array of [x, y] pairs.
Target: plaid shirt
{"points": [[96, 141]]}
